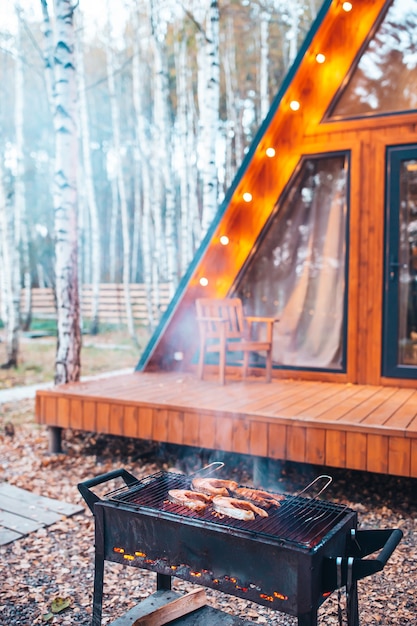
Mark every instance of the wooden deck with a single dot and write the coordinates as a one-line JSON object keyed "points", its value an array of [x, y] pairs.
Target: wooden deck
{"points": [[337, 425]]}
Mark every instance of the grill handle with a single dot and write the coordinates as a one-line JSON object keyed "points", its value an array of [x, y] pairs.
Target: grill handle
{"points": [[90, 497], [337, 570]]}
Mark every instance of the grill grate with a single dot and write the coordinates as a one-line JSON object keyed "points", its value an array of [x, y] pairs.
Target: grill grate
{"points": [[300, 520]]}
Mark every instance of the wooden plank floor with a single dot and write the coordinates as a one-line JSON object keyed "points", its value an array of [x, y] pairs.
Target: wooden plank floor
{"points": [[23, 512], [339, 425]]}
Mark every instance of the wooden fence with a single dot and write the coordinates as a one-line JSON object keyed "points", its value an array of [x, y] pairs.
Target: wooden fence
{"points": [[112, 308]]}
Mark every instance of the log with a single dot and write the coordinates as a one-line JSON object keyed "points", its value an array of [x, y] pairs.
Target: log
{"points": [[174, 609]]}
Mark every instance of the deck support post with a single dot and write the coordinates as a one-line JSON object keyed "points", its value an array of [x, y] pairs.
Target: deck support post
{"points": [[55, 439]]}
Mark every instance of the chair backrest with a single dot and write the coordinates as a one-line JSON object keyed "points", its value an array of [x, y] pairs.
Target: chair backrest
{"points": [[211, 310]]}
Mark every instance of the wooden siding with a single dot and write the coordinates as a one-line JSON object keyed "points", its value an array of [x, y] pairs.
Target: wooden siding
{"points": [[362, 427]]}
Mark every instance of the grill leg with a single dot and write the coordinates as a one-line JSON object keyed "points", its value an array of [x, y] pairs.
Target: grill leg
{"points": [[352, 606], [163, 582], [98, 591], [308, 619], [98, 566]]}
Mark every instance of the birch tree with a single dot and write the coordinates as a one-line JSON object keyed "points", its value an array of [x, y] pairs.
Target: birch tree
{"points": [[234, 139], [90, 193], [121, 187], [185, 134], [65, 197], [11, 269], [209, 100], [141, 42], [21, 221], [265, 17], [162, 142]]}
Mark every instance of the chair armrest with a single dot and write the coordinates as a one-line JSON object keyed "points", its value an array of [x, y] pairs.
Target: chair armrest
{"points": [[267, 320]]}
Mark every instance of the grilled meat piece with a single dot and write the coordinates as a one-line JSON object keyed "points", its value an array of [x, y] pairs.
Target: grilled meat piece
{"points": [[239, 509], [263, 498], [191, 499], [213, 486]]}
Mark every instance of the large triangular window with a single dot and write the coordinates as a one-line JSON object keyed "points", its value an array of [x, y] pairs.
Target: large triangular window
{"points": [[385, 78], [297, 270]]}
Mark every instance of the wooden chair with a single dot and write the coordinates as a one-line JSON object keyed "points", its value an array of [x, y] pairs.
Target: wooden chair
{"points": [[224, 328]]}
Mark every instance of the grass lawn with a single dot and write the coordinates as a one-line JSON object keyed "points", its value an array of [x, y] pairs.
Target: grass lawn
{"points": [[110, 350]]}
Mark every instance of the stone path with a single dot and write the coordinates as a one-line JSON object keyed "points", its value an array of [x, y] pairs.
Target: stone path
{"points": [[21, 393], [23, 512]]}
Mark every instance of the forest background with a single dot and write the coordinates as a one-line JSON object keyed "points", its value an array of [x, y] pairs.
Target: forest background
{"points": [[167, 98]]}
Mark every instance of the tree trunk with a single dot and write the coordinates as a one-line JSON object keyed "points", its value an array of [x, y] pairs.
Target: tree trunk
{"points": [[234, 140], [11, 287], [90, 194], [67, 364], [21, 229], [114, 217], [264, 64], [185, 146], [163, 144], [210, 116], [115, 116], [141, 41]]}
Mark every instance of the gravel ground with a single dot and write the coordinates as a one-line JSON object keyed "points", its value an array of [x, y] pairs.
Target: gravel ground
{"points": [[57, 562]]}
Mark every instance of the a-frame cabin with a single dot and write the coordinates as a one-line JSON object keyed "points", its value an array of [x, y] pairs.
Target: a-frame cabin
{"points": [[319, 229]]}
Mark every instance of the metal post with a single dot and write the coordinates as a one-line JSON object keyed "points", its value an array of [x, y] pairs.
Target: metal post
{"points": [[308, 619], [352, 606], [55, 439], [163, 582]]}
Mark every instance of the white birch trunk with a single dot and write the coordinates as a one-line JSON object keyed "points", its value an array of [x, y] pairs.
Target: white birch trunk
{"points": [[162, 144], [67, 364], [210, 119], [140, 43], [183, 163], [234, 139], [264, 64], [21, 227], [115, 116], [137, 211], [90, 194], [48, 54], [292, 36], [114, 217], [11, 287]]}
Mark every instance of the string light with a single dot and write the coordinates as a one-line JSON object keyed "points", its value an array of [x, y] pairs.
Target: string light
{"points": [[320, 58], [224, 240], [203, 281], [347, 6], [270, 152], [294, 105], [247, 196]]}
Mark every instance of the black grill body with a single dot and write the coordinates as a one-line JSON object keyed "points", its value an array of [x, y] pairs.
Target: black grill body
{"points": [[291, 562]]}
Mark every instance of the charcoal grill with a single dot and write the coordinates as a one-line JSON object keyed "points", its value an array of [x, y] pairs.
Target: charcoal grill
{"points": [[290, 562]]}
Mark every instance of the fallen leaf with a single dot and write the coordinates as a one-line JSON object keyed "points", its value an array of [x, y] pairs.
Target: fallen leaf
{"points": [[59, 604]]}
